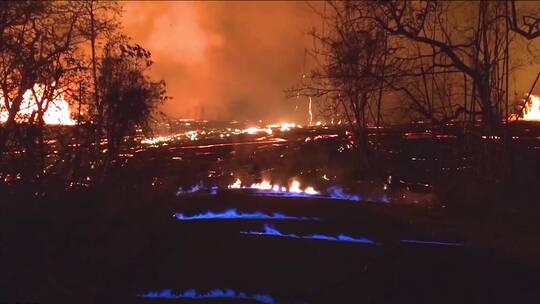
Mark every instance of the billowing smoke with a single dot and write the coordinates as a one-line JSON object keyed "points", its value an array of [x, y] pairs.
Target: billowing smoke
{"points": [[226, 60]]}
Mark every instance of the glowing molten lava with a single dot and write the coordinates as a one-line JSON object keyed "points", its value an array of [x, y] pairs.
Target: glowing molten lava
{"points": [[57, 112]]}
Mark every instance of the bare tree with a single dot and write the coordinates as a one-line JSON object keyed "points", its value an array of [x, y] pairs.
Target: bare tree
{"points": [[33, 36], [130, 97], [353, 57], [464, 40], [99, 22]]}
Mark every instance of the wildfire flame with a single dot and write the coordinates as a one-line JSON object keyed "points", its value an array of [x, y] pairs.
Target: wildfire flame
{"points": [[57, 112], [530, 111], [266, 188], [294, 187]]}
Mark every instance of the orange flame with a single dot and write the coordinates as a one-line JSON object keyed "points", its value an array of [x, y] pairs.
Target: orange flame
{"points": [[57, 113], [294, 187], [531, 110]]}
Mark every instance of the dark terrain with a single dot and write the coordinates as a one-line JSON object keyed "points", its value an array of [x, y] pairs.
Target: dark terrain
{"points": [[436, 241]]}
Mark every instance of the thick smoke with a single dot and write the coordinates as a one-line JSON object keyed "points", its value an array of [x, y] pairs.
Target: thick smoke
{"points": [[226, 60], [233, 60]]}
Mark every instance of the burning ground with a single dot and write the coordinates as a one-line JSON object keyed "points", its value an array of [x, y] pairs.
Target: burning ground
{"points": [[272, 213]]}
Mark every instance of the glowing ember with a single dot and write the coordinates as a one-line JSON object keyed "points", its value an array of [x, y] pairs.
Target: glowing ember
{"points": [[287, 126], [156, 140], [162, 139], [255, 130], [236, 184], [264, 185], [310, 113], [192, 135], [310, 190], [295, 187], [57, 112]]}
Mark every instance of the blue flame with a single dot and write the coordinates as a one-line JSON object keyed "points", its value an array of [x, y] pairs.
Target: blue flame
{"points": [[271, 231], [285, 194], [336, 192], [333, 192], [384, 199], [192, 189], [215, 293], [431, 242], [233, 214]]}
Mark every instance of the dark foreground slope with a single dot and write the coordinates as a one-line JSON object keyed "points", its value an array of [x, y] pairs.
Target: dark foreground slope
{"points": [[112, 243], [86, 250]]}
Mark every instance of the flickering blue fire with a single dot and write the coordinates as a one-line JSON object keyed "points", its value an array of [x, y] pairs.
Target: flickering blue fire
{"points": [[337, 192], [192, 189], [285, 194], [268, 230], [333, 192], [215, 293], [234, 214]]}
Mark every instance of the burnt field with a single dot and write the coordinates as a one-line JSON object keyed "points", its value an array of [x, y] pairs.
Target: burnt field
{"points": [[221, 213]]}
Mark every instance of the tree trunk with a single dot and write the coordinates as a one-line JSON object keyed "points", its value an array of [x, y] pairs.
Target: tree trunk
{"points": [[489, 121], [7, 130]]}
